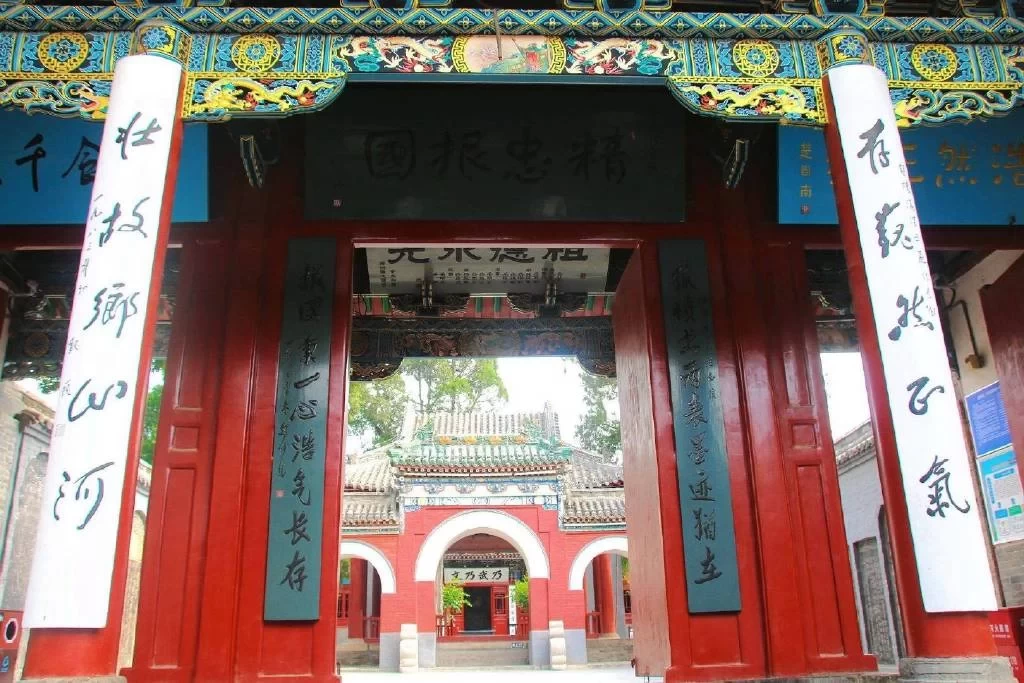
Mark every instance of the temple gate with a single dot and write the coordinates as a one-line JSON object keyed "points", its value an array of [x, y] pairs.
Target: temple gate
{"points": [[730, 403]]}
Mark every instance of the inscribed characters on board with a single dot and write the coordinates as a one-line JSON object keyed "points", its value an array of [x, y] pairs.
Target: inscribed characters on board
{"points": [[476, 574], [74, 560], [961, 175], [949, 543], [498, 270], [709, 539], [48, 167], [295, 536], [524, 153]]}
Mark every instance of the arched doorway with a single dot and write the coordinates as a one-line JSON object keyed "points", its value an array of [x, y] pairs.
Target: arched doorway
{"points": [[365, 575], [601, 571], [477, 591], [495, 543]]}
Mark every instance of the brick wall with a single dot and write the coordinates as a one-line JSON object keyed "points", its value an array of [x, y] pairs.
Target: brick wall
{"points": [[1010, 560]]}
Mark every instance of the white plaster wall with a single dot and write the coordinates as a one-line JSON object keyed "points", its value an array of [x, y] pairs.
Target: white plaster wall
{"points": [[985, 273], [861, 492]]}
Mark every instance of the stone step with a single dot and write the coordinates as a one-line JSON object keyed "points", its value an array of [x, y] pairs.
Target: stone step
{"points": [[483, 655], [349, 659], [609, 650]]}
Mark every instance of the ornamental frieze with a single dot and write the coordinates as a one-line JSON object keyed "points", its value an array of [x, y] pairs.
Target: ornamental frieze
{"points": [[251, 62]]}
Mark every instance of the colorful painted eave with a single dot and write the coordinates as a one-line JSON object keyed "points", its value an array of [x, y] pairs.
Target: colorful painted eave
{"points": [[471, 22], [275, 62]]}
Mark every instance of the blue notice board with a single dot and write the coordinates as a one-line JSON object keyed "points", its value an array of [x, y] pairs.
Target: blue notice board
{"points": [[990, 429], [47, 166], [1004, 495], [961, 174]]}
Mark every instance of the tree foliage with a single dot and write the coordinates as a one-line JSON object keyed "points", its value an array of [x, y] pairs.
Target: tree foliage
{"points": [[453, 597], [377, 408], [150, 423], [48, 385], [521, 594], [455, 385], [595, 430]]}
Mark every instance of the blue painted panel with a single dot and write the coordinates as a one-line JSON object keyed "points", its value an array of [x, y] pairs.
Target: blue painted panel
{"points": [[709, 539], [47, 164], [990, 428], [295, 536], [962, 175]]}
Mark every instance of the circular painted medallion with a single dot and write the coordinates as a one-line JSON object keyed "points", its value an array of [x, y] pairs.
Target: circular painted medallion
{"points": [[756, 58], [934, 62], [62, 52], [255, 53]]}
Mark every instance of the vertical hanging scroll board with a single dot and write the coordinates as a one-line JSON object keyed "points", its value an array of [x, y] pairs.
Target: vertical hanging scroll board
{"points": [[297, 485], [709, 540]]}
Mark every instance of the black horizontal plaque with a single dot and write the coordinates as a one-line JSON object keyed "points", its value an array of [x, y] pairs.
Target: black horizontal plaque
{"points": [[482, 152]]}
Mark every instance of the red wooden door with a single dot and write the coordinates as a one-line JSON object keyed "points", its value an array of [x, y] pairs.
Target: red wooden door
{"points": [[1004, 317], [344, 597], [499, 610]]}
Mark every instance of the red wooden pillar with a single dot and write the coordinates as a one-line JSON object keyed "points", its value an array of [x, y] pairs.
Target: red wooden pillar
{"points": [[963, 634], [357, 597], [798, 616], [604, 590]]}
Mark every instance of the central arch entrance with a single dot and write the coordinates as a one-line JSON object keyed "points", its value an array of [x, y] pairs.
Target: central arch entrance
{"points": [[453, 556]]}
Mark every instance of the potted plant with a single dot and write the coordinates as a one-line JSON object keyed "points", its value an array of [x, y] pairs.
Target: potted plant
{"points": [[521, 597], [453, 599]]}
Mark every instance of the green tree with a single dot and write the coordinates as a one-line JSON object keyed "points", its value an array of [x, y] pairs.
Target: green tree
{"points": [[377, 408], [595, 430], [151, 418], [455, 385], [521, 594], [454, 597], [48, 385]]}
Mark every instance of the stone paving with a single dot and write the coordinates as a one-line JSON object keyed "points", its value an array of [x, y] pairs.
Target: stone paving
{"points": [[604, 674]]}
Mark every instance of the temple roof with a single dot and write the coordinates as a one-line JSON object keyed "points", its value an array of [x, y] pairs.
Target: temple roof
{"points": [[603, 508], [590, 471], [370, 473], [855, 446], [373, 511], [487, 424], [475, 445]]}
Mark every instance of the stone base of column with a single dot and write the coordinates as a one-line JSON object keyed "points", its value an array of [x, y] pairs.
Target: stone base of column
{"points": [[959, 669], [837, 678], [79, 679]]}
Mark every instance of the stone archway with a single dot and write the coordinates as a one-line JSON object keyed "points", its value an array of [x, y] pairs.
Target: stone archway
{"points": [[365, 551], [499, 524], [617, 545]]}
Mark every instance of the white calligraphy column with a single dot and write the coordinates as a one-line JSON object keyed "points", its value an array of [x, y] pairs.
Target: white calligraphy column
{"points": [[106, 362], [884, 248]]}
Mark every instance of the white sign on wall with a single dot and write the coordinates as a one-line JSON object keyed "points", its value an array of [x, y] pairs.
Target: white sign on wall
{"points": [[74, 558], [476, 574], [461, 269], [949, 542]]}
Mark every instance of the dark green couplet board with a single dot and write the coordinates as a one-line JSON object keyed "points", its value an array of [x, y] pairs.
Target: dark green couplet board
{"points": [[709, 538], [295, 534]]}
